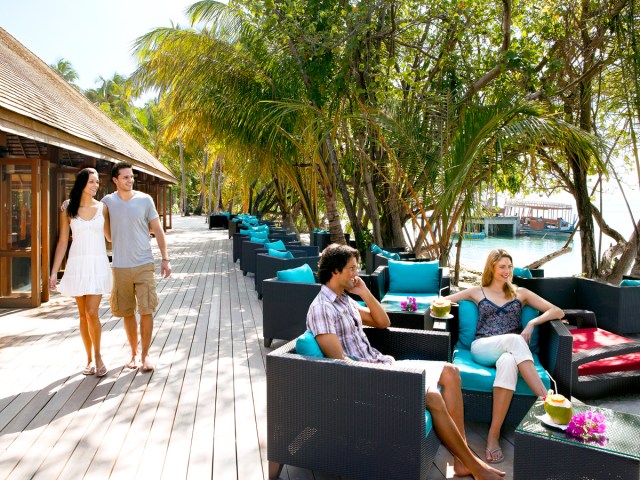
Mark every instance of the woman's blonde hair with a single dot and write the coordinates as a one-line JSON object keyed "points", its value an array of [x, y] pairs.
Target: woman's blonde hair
{"points": [[487, 275]]}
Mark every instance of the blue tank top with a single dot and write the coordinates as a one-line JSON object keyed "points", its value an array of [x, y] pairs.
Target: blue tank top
{"points": [[498, 320]]}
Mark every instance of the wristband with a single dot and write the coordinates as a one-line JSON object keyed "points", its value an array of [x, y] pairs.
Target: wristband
{"points": [[166, 260]]}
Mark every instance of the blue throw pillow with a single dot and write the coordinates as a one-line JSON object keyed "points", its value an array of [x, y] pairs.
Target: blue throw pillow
{"points": [[279, 254], [418, 277], [258, 239], [264, 235], [306, 344], [528, 314], [468, 315], [522, 272], [391, 255], [277, 245], [627, 282], [301, 274], [375, 249]]}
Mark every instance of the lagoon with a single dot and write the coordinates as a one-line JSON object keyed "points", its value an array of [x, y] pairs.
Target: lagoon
{"points": [[524, 250]]}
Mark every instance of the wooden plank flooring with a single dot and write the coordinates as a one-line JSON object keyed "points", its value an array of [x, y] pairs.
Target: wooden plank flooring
{"points": [[200, 415]]}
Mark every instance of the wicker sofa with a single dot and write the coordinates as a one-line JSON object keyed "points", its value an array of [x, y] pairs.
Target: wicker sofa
{"points": [[366, 422], [615, 307], [373, 261], [555, 355], [381, 282], [268, 266], [248, 250], [284, 308]]}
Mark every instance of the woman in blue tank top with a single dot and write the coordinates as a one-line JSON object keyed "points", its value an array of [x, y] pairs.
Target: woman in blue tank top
{"points": [[500, 339]]}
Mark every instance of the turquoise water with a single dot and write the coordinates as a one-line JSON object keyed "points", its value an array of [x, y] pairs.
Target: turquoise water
{"points": [[524, 250]]}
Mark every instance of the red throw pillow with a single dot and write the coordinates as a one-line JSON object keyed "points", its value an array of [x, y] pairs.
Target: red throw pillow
{"points": [[588, 338]]}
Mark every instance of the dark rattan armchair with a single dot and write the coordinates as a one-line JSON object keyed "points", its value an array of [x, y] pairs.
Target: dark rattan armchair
{"points": [[268, 267], [284, 308], [555, 354], [362, 421]]}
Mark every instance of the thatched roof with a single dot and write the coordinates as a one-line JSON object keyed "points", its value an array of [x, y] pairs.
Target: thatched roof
{"points": [[35, 102]]}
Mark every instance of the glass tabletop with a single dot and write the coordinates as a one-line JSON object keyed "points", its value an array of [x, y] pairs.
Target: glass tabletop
{"points": [[622, 435]]}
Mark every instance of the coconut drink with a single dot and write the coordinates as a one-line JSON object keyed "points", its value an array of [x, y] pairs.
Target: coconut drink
{"points": [[558, 407], [440, 307]]}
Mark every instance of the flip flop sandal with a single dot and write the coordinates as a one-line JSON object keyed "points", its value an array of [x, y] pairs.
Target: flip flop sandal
{"points": [[495, 456], [102, 371], [89, 370]]}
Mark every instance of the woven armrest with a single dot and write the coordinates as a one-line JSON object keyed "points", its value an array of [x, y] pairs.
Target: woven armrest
{"points": [[556, 344], [581, 318]]}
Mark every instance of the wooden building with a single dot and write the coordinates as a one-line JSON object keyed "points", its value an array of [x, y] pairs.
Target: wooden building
{"points": [[48, 132]]}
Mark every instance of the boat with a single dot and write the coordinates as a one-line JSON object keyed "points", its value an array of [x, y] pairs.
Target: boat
{"points": [[541, 218]]}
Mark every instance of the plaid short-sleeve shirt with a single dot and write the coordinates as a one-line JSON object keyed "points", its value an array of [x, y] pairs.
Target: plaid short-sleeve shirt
{"points": [[339, 314]]}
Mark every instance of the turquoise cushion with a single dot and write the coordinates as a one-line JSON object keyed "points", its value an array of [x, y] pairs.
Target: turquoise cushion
{"points": [[479, 378], [468, 315], [375, 249], [630, 283], [257, 239], [260, 228], [468, 321], [244, 231], [428, 421], [255, 234], [277, 245], [391, 255], [279, 254], [522, 272], [529, 313], [301, 274], [415, 277], [306, 344]]}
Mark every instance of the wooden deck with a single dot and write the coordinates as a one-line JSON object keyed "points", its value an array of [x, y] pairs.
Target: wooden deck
{"points": [[201, 414]]}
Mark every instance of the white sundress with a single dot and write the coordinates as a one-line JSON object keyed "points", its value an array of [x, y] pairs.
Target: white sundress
{"points": [[87, 271]]}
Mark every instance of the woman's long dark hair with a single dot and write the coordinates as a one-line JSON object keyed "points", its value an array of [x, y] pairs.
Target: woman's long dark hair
{"points": [[76, 192]]}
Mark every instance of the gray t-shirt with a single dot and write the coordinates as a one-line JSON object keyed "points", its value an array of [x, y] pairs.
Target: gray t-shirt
{"points": [[130, 229]]}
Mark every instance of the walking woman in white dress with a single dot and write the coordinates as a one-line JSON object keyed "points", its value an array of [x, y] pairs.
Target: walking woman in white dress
{"points": [[87, 275]]}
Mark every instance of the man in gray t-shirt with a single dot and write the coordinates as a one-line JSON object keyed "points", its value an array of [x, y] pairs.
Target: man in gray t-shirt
{"points": [[132, 214]]}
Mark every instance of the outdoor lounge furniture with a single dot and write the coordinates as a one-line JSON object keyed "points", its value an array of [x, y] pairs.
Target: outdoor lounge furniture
{"points": [[388, 289], [361, 421], [615, 307], [218, 221], [373, 261], [554, 355], [268, 266], [284, 308], [603, 363], [248, 249], [542, 452]]}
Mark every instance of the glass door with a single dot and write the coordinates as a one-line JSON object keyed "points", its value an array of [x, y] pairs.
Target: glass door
{"points": [[20, 280]]}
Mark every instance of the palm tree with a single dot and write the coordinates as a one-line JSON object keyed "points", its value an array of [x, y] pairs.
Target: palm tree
{"points": [[64, 68]]}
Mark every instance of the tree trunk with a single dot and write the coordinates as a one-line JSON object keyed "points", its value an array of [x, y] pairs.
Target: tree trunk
{"points": [[183, 190]]}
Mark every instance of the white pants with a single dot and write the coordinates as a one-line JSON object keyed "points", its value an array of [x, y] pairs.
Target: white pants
{"points": [[432, 369], [505, 352]]}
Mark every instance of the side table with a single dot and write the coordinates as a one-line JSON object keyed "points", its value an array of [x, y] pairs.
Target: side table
{"points": [[543, 452]]}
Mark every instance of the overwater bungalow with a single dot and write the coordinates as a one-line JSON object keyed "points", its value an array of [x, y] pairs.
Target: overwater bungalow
{"points": [[48, 132]]}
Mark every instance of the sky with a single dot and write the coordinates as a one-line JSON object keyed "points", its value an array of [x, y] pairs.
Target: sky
{"points": [[95, 36]]}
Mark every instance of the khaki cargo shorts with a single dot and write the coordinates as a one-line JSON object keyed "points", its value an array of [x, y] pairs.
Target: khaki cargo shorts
{"points": [[131, 286]]}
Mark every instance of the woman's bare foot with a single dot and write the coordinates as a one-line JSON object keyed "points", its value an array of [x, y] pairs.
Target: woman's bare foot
{"points": [[460, 469]]}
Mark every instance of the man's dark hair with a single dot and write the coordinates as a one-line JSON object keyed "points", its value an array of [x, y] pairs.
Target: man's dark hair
{"points": [[115, 170], [335, 258]]}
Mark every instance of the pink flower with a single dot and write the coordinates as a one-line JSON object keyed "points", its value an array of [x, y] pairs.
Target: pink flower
{"points": [[410, 305], [587, 426]]}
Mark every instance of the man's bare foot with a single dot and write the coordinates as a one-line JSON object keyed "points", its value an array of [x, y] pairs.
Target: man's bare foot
{"points": [[133, 363], [147, 366], [489, 473], [460, 469]]}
